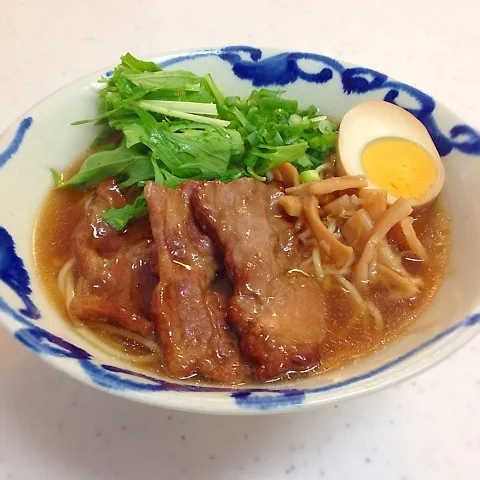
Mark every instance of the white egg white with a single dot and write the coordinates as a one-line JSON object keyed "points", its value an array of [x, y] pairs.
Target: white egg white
{"points": [[375, 119]]}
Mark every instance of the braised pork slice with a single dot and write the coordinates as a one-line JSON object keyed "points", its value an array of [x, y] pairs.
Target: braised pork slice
{"points": [[116, 281], [188, 312], [277, 311]]}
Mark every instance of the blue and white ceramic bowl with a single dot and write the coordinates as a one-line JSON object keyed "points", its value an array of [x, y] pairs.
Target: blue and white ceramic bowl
{"points": [[44, 138]]}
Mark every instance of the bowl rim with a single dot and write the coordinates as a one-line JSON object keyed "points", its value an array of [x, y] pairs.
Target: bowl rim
{"points": [[433, 350]]}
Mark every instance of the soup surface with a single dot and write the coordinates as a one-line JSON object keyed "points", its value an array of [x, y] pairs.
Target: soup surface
{"points": [[340, 327]]}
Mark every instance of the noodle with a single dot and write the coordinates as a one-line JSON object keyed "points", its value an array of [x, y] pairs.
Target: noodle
{"points": [[305, 235], [360, 302], [298, 225], [306, 263], [335, 271], [62, 274], [376, 314], [103, 346], [345, 270], [352, 290], [331, 225], [69, 289], [131, 336], [66, 282], [317, 263]]}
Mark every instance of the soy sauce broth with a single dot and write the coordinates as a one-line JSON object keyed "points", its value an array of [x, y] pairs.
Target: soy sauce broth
{"points": [[345, 342]]}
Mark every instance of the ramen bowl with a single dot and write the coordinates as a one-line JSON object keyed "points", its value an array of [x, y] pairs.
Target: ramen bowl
{"points": [[44, 138]]}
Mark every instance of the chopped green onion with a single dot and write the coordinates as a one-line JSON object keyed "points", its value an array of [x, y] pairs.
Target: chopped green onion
{"points": [[324, 124], [254, 175], [309, 176], [295, 119], [231, 101]]}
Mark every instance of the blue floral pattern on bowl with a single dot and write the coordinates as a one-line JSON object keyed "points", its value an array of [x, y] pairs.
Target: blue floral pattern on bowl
{"points": [[283, 69]]}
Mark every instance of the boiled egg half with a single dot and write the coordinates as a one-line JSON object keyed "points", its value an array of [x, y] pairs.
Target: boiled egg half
{"points": [[393, 149]]}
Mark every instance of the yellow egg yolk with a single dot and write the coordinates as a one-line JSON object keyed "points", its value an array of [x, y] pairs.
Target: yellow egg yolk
{"points": [[400, 166]]}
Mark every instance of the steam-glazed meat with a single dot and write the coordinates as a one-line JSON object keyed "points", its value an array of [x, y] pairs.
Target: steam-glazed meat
{"points": [[188, 312], [277, 312], [115, 276]]}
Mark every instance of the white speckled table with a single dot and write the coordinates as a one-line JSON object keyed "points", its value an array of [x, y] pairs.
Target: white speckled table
{"points": [[52, 427]]}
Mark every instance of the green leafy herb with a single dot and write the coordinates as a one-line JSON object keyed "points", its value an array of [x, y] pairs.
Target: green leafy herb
{"points": [[278, 155], [176, 126], [57, 177], [132, 63], [109, 162], [176, 80], [138, 172], [132, 132], [192, 153], [118, 218]]}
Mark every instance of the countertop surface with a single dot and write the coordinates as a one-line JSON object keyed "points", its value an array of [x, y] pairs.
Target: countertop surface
{"points": [[52, 427]]}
